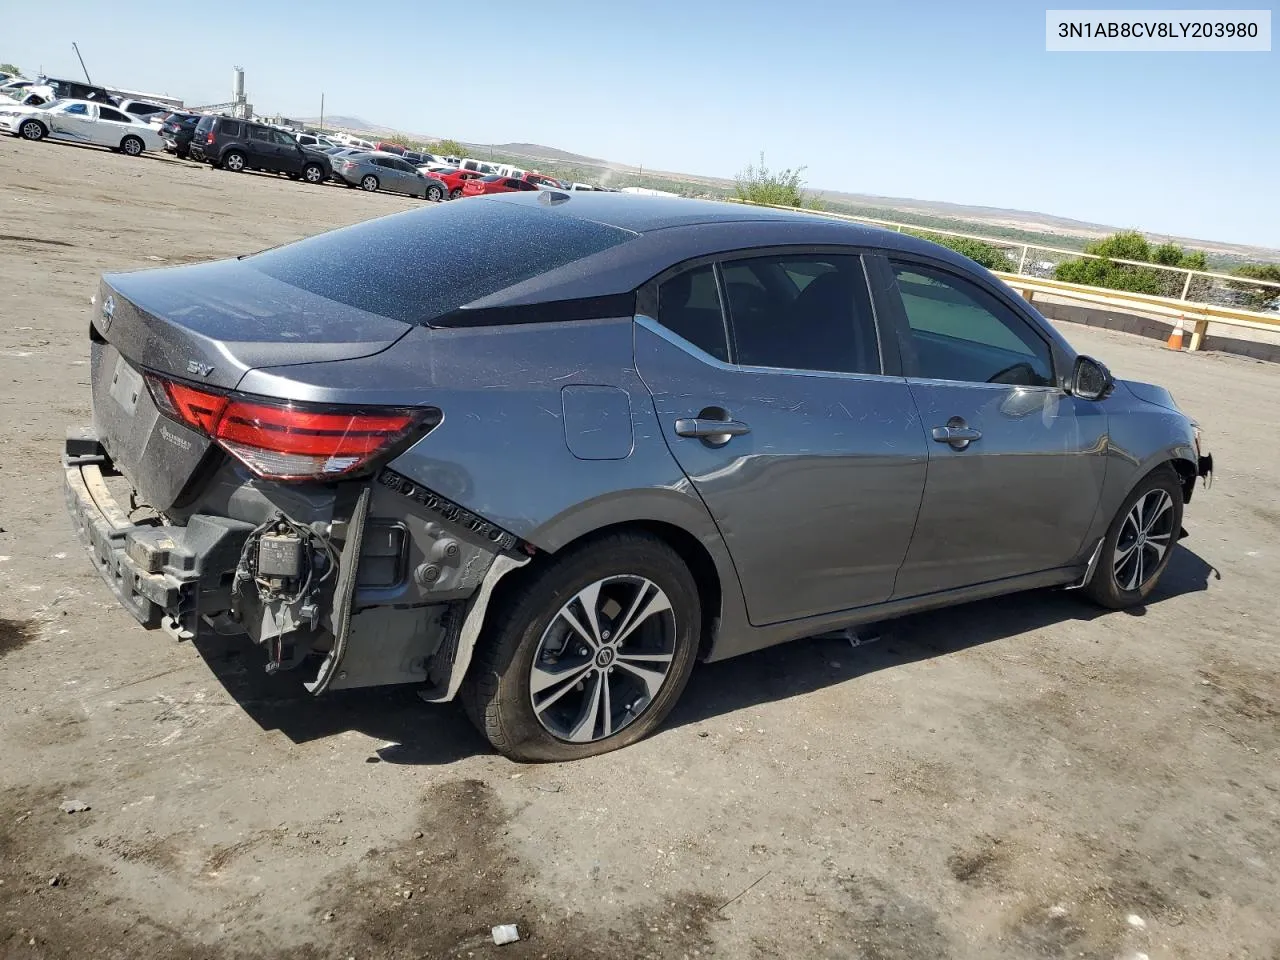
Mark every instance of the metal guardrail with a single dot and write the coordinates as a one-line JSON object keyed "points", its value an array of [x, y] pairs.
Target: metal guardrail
{"points": [[1033, 260], [1198, 313]]}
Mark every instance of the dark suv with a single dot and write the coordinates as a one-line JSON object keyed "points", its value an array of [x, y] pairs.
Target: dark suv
{"points": [[177, 132], [238, 145], [75, 90]]}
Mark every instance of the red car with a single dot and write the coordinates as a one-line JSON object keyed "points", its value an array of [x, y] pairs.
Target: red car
{"points": [[543, 180], [454, 179], [495, 184]]}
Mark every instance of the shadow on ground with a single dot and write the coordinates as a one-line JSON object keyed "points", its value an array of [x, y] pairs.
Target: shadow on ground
{"points": [[414, 732]]}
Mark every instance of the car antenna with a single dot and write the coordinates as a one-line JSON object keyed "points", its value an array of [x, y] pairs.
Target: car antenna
{"points": [[551, 197]]}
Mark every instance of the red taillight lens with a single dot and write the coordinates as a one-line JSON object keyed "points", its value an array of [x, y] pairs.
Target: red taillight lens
{"points": [[287, 441], [209, 137]]}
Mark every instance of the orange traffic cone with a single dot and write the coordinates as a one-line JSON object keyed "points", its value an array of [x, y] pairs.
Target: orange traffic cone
{"points": [[1175, 338]]}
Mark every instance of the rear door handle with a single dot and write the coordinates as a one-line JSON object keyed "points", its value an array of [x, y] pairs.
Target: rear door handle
{"points": [[956, 433], [714, 432]]}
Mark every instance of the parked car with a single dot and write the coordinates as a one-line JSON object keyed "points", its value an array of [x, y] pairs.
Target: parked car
{"points": [[177, 131], [23, 98], [315, 140], [412, 156], [385, 147], [542, 180], [238, 145], [452, 178], [81, 121], [144, 110], [477, 166], [385, 171], [75, 90], [15, 83], [496, 184], [766, 426]]}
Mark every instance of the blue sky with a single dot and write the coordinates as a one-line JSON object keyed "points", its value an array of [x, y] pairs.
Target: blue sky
{"points": [[936, 101]]}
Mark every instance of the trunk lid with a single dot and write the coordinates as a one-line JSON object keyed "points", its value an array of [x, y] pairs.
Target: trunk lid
{"points": [[207, 324]]}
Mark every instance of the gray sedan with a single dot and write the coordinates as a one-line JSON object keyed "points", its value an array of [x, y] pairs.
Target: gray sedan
{"points": [[386, 171], [543, 452]]}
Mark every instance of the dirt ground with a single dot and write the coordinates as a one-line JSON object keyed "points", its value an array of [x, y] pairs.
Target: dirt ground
{"points": [[1023, 778]]}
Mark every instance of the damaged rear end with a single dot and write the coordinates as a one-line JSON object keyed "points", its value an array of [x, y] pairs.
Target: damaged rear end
{"points": [[235, 477]]}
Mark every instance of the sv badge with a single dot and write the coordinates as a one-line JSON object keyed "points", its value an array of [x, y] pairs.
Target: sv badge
{"points": [[198, 368]]}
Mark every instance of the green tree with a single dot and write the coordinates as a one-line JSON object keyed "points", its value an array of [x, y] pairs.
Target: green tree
{"points": [[448, 148], [1258, 298], [987, 254], [782, 188], [9, 68], [1132, 245]]}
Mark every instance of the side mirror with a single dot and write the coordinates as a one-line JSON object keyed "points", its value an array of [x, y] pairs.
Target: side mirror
{"points": [[1091, 380]]}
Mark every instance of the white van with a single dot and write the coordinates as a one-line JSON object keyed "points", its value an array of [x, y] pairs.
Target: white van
{"points": [[478, 166]]}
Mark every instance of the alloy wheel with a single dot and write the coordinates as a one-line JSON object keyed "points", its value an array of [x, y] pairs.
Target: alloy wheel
{"points": [[131, 146], [32, 130], [235, 163], [1144, 539], [313, 174], [603, 658]]}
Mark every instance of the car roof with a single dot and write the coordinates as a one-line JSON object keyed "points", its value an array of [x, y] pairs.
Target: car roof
{"points": [[643, 214]]}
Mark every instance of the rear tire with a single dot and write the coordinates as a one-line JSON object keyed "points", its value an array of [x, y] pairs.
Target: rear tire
{"points": [[32, 130], [626, 683], [1139, 542], [234, 162], [313, 173], [369, 183], [132, 146], [434, 193], [455, 193]]}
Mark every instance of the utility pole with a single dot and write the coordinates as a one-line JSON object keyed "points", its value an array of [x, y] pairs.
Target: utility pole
{"points": [[322, 111], [81, 59]]}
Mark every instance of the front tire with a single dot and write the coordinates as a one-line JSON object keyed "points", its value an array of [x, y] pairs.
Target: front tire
{"points": [[32, 130], [132, 146], [588, 654], [1139, 542]]}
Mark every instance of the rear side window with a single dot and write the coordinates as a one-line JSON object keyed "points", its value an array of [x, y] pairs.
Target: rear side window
{"points": [[689, 306], [106, 113], [418, 266], [802, 313], [231, 128]]}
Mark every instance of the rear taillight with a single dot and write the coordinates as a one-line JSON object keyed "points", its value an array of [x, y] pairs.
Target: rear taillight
{"points": [[347, 164], [209, 137], [292, 441]]}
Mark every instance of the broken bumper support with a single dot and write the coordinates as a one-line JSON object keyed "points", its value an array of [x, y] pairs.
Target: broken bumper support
{"points": [[164, 576]]}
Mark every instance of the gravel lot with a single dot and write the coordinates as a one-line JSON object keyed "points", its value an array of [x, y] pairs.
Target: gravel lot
{"points": [[1020, 778]]}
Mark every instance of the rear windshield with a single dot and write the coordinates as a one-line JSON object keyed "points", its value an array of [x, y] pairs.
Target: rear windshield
{"points": [[205, 124], [420, 265]]}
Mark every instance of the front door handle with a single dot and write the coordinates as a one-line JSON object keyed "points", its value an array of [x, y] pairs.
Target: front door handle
{"points": [[957, 434], [716, 433]]}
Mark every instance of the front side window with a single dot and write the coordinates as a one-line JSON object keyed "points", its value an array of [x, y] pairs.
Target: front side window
{"points": [[689, 306], [283, 138], [802, 312], [960, 332]]}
